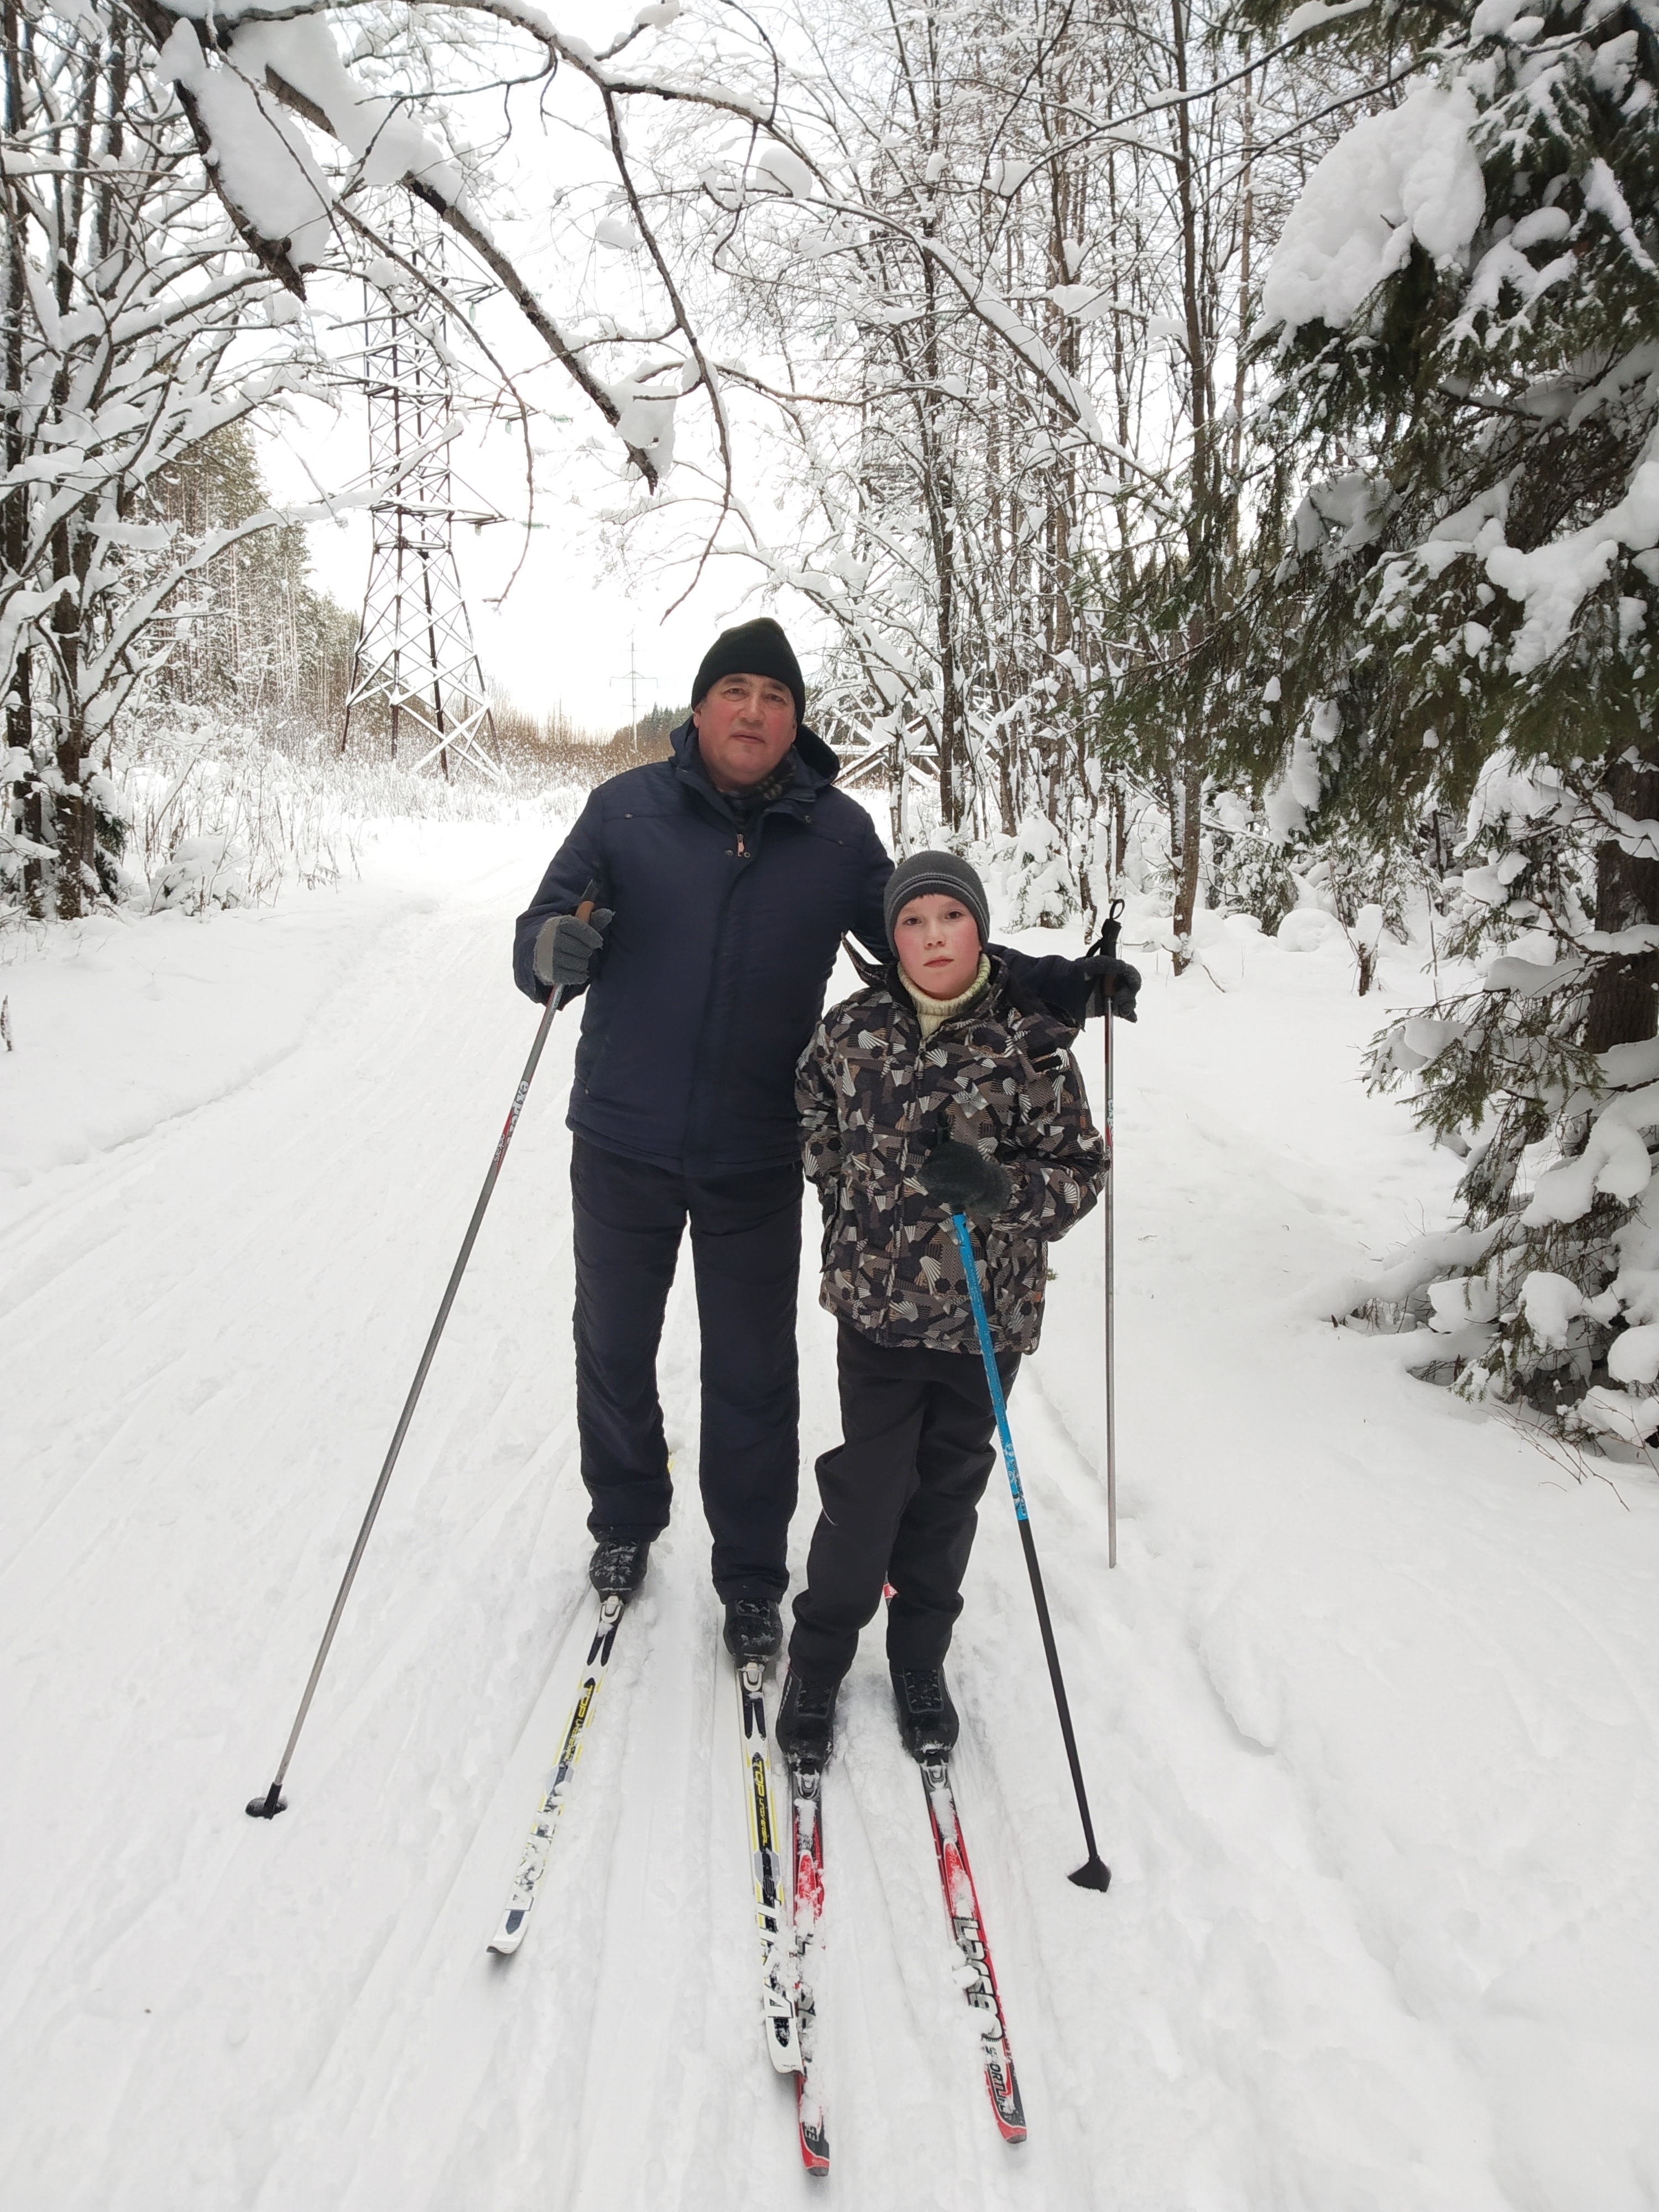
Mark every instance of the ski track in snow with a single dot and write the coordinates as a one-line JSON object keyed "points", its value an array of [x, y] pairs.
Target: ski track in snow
{"points": [[1366, 1710]]}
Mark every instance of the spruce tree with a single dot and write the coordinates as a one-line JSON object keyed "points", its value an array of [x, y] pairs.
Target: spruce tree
{"points": [[1464, 314]]}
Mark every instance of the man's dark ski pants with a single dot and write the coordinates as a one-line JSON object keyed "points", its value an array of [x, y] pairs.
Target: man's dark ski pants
{"points": [[899, 1496], [745, 1252]]}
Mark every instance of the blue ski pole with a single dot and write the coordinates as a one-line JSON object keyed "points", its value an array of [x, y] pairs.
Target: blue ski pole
{"points": [[1093, 1874]]}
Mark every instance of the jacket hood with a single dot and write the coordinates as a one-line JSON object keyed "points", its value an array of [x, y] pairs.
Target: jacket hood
{"points": [[821, 764]]}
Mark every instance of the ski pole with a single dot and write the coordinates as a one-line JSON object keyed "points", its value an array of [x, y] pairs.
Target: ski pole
{"points": [[273, 1803], [1106, 944], [1093, 1874]]}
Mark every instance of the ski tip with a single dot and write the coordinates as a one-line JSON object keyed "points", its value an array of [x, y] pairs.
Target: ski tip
{"points": [[267, 1807], [815, 2157], [508, 1936], [1096, 1875]]}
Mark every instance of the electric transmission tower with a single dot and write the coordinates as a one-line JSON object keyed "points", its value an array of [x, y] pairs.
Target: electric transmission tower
{"points": [[633, 680], [416, 658]]}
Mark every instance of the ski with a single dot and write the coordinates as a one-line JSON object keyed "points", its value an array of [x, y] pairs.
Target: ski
{"points": [[806, 1797], [777, 1994], [510, 1933], [978, 1975]]}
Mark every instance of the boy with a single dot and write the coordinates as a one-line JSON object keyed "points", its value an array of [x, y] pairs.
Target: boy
{"points": [[935, 1089]]}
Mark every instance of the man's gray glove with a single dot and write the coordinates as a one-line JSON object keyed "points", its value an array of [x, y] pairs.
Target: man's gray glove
{"points": [[565, 947], [964, 1179]]}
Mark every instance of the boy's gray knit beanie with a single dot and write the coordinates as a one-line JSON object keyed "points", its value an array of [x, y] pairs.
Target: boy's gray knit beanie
{"points": [[949, 875]]}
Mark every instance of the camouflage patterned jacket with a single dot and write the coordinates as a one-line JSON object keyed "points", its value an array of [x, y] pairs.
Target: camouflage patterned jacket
{"points": [[870, 1094]]}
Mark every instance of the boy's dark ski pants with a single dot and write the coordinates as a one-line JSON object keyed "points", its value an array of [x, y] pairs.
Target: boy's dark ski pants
{"points": [[899, 1496], [746, 1251]]}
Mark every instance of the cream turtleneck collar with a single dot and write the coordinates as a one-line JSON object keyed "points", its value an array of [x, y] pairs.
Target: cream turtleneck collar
{"points": [[932, 1012]]}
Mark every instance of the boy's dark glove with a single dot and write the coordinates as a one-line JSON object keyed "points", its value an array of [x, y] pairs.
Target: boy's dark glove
{"points": [[965, 1179], [1111, 983], [563, 958]]}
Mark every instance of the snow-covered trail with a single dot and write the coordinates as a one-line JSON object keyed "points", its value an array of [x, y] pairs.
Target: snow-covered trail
{"points": [[1367, 1709]]}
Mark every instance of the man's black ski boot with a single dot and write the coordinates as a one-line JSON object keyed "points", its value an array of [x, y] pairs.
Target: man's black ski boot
{"points": [[618, 1566], [927, 1720], [805, 1729], [754, 1629]]}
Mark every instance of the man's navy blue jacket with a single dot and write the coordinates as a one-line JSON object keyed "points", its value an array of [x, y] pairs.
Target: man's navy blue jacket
{"points": [[713, 975]]}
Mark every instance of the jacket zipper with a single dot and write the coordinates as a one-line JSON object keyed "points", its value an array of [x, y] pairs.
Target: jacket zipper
{"points": [[720, 939]]}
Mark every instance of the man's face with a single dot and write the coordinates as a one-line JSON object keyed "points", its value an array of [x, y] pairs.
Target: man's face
{"points": [[937, 941], [744, 725]]}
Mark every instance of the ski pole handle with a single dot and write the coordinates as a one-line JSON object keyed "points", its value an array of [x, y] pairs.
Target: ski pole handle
{"points": [[556, 1000]]}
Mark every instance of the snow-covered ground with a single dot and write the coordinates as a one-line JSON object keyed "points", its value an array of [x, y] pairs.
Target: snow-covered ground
{"points": [[1369, 1708]]}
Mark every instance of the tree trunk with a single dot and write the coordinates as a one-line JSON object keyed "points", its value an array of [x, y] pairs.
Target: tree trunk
{"points": [[1186, 903], [14, 505], [1624, 1007], [71, 810]]}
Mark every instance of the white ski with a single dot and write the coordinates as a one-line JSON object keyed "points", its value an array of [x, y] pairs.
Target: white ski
{"points": [[510, 1933], [777, 1975]]}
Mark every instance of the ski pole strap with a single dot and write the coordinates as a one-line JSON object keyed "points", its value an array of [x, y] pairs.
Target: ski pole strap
{"points": [[1110, 930], [993, 1376]]}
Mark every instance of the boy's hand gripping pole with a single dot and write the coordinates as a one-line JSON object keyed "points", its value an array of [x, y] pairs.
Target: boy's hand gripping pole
{"points": [[1094, 1873], [273, 1803]]}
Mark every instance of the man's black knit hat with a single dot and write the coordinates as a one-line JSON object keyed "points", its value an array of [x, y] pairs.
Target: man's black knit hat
{"points": [[753, 648], [949, 875]]}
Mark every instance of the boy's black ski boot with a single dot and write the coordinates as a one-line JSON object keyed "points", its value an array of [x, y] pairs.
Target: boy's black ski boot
{"points": [[618, 1566], [754, 1629], [927, 1720], [804, 1730]]}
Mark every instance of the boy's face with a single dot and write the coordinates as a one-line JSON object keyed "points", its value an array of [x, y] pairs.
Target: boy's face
{"points": [[937, 945]]}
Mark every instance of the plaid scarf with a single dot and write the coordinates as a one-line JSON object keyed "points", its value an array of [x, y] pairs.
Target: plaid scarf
{"points": [[750, 803]]}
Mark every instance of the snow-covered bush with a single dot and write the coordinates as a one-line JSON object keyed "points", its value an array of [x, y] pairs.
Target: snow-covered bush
{"points": [[1249, 873], [1032, 877], [1557, 1179], [221, 814]]}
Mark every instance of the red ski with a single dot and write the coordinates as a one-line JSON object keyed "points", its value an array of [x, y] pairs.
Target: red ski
{"points": [[980, 1980], [805, 1790]]}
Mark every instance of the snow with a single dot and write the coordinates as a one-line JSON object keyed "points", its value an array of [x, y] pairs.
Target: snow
{"points": [[1366, 1709], [1313, 14], [617, 231], [1553, 580], [1289, 800], [1408, 175], [645, 411], [1614, 1160], [1620, 1414], [263, 164], [781, 170], [1089, 303]]}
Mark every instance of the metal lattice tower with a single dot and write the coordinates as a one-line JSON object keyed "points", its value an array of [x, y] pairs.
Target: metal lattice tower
{"points": [[415, 651]]}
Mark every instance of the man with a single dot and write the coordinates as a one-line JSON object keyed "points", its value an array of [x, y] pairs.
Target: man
{"points": [[727, 877]]}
